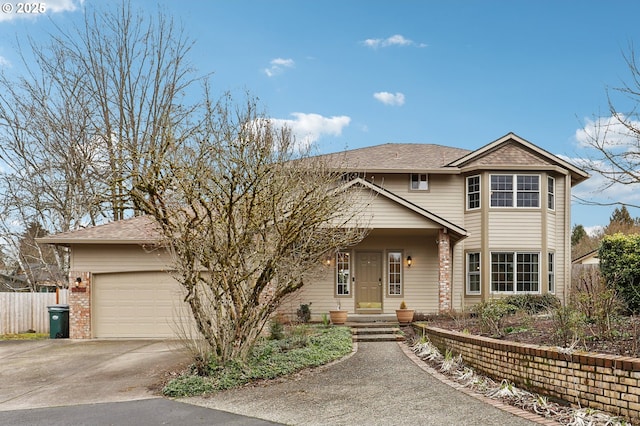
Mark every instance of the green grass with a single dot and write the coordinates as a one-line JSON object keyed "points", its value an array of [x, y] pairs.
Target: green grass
{"points": [[301, 347], [24, 336]]}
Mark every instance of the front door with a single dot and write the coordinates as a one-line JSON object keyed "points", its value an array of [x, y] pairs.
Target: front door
{"points": [[369, 282]]}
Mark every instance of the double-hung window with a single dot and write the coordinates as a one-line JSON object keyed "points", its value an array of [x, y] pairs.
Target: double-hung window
{"points": [[473, 192], [515, 272], [343, 273], [515, 191], [473, 273]]}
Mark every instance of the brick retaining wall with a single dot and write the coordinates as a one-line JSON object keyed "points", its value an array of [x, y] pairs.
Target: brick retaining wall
{"points": [[608, 383]]}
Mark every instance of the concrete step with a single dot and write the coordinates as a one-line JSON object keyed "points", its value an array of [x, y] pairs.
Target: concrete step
{"points": [[378, 338], [376, 333], [374, 330], [372, 318], [374, 325]]}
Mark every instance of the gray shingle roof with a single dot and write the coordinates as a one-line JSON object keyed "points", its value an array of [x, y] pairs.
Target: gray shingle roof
{"points": [[396, 157], [140, 229]]}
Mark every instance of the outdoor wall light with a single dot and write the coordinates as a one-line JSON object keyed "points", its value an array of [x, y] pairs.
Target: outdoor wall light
{"points": [[328, 261], [409, 261]]}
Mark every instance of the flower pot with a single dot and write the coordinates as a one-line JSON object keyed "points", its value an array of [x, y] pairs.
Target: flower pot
{"points": [[338, 317], [404, 316]]}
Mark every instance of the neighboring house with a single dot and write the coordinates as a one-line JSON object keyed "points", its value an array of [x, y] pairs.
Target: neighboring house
{"points": [[590, 258], [449, 228], [46, 279]]}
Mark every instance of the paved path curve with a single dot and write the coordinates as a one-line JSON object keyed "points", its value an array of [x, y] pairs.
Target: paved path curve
{"points": [[377, 385]]}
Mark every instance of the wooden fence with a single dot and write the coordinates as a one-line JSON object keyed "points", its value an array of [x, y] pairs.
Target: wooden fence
{"points": [[20, 312]]}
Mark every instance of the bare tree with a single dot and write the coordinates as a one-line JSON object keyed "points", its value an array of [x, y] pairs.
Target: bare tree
{"points": [[615, 140], [248, 218], [77, 126]]}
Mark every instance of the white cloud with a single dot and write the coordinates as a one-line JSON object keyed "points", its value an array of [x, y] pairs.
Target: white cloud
{"points": [[597, 189], [11, 10], [308, 128], [4, 62], [387, 98], [611, 135], [278, 66], [394, 40], [609, 130]]}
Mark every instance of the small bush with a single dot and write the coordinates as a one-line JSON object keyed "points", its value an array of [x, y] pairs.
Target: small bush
{"points": [[599, 304], [276, 330], [304, 312], [534, 303], [491, 315], [568, 323]]}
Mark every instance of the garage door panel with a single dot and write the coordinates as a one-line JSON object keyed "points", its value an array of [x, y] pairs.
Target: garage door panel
{"points": [[137, 305]]}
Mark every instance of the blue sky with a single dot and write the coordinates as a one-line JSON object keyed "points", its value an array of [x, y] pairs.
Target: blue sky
{"points": [[348, 74]]}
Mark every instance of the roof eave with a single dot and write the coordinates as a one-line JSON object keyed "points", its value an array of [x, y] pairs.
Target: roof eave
{"points": [[67, 242]]}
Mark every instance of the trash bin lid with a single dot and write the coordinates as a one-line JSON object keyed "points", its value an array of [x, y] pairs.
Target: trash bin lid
{"points": [[58, 308]]}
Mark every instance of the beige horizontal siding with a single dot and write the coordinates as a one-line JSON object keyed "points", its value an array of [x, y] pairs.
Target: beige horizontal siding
{"points": [[102, 258], [515, 229], [444, 198]]}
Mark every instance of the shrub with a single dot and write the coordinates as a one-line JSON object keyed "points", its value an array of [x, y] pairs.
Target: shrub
{"points": [[304, 312], [533, 303], [568, 323], [595, 300], [620, 265], [276, 330], [491, 315]]}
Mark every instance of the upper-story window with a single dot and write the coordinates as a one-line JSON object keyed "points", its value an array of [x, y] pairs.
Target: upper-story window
{"points": [[473, 192], [419, 181], [515, 191], [551, 193]]}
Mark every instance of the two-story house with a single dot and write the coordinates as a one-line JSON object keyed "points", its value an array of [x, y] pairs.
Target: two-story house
{"points": [[449, 227]]}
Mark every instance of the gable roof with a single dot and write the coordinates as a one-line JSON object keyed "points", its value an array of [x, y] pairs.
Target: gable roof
{"points": [[513, 151], [458, 231], [393, 157], [136, 230]]}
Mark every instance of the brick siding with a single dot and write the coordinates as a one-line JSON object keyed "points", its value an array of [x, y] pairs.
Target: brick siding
{"points": [[80, 306], [603, 382], [444, 272]]}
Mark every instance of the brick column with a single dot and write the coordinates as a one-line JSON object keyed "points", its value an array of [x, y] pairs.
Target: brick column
{"points": [[444, 271], [79, 305]]}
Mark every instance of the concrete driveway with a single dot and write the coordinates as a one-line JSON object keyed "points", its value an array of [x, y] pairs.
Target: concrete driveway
{"points": [[47, 373]]}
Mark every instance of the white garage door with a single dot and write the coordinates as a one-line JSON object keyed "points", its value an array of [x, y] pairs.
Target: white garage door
{"points": [[136, 305]]}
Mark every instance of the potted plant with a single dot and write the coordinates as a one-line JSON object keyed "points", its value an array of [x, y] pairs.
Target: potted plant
{"points": [[338, 316], [403, 314]]}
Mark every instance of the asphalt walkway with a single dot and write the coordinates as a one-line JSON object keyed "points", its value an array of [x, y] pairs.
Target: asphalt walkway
{"points": [[378, 385]]}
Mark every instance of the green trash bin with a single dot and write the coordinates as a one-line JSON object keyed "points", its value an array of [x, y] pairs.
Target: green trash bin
{"points": [[58, 321]]}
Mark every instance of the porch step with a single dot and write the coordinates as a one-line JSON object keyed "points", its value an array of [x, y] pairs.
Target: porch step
{"points": [[372, 318], [376, 332]]}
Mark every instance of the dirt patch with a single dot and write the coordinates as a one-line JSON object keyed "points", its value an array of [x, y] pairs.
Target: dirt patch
{"points": [[621, 338]]}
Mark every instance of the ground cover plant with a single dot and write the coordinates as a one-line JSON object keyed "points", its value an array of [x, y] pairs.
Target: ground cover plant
{"points": [[24, 336], [287, 349]]}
